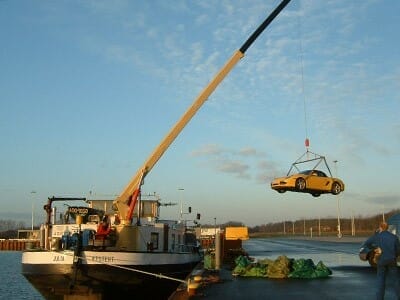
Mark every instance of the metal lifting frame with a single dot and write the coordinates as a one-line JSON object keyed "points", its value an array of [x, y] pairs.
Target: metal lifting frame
{"points": [[301, 160]]}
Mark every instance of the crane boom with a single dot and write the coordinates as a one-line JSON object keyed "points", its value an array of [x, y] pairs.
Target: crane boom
{"points": [[126, 201]]}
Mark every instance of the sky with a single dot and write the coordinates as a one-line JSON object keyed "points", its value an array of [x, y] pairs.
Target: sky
{"points": [[88, 89]]}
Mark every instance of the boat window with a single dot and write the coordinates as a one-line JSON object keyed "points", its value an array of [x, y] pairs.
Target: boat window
{"points": [[93, 219]]}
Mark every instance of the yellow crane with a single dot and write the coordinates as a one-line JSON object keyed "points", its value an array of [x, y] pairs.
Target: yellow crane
{"points": [[126, 201]]}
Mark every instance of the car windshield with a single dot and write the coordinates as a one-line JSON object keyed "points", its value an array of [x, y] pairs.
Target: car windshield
{"points": [[306, 172], [317, 172]]}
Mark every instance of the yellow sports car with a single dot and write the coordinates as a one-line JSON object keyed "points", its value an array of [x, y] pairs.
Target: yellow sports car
{"points": [[314, 182]]}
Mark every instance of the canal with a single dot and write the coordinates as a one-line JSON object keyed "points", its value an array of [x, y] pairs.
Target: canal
{"points": [[351, 278]]}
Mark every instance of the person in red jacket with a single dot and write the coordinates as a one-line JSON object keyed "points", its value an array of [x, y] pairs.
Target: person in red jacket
{"points": [[103, 229], [388, 250]]}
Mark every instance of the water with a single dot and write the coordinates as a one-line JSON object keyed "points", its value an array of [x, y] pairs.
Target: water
{"points": [[330, 253], [12, 284]]}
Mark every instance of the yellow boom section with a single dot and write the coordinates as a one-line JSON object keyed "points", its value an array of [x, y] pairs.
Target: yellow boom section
{"points": [[126, 201], [123, 201]]}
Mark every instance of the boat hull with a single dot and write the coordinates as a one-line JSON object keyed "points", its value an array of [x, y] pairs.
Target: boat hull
{"points": [[101, 274]]}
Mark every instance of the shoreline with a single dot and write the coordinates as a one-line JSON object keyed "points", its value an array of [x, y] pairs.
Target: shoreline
{"points": [[325, 238]]}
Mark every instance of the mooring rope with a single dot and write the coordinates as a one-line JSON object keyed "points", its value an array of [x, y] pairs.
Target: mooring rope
{"points": [[126, 268]]}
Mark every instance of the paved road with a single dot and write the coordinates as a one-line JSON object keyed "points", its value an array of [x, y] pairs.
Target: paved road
{"points": [[351, 278]]}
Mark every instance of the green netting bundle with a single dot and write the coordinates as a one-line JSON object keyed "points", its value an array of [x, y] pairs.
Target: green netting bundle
{"points": [[279, 268], [256, 270], [265, 261], [322, 271], [282, 267], [245, 268], [305, 268], [242, 261]]}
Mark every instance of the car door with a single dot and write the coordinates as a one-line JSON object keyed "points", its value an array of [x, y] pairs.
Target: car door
{"points": [[318, 181]]}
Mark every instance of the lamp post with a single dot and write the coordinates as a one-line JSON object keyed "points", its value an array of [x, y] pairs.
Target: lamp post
{"points": [[338, 205], [217, 247], [293, 226], [319, 226], [181, 212], [32, 192]]}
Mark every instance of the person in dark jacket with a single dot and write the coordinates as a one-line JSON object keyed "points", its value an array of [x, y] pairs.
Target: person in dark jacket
{"points": [[388, 250]]}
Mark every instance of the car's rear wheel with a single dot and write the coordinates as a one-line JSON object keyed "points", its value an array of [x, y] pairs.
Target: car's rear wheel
{"points": [[316, 194], [336, 188], [300, 184]]}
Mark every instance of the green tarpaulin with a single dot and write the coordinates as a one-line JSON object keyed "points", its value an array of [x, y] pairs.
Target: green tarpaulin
{"points": [[282, 267]]}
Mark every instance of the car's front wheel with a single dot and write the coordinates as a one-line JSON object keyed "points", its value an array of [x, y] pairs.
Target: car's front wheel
{"points": [[336, 188], [300, 184], [316, 194], [281, 191]]}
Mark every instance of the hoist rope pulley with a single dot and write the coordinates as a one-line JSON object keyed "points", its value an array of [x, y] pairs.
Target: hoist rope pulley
{"points": [[307, 143]]}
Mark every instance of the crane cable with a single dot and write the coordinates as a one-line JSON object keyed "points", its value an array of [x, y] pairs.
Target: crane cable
{"points": [[306, 141]]}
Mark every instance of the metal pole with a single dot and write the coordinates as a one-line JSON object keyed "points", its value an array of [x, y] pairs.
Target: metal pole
{"points": [[215, 232], [338, 206], [217, 243], [293, 227], [32, 192], [181, 198], [32, 217], [319, 226], [217, 251]]}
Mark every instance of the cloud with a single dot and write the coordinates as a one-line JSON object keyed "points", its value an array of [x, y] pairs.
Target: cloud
{"points": [[215, 149], [237, 168], [386, 200], [343, 87], [267, 171], [207, 150], [223, 160], [249, 151], [396, 132], [242, 163]]}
